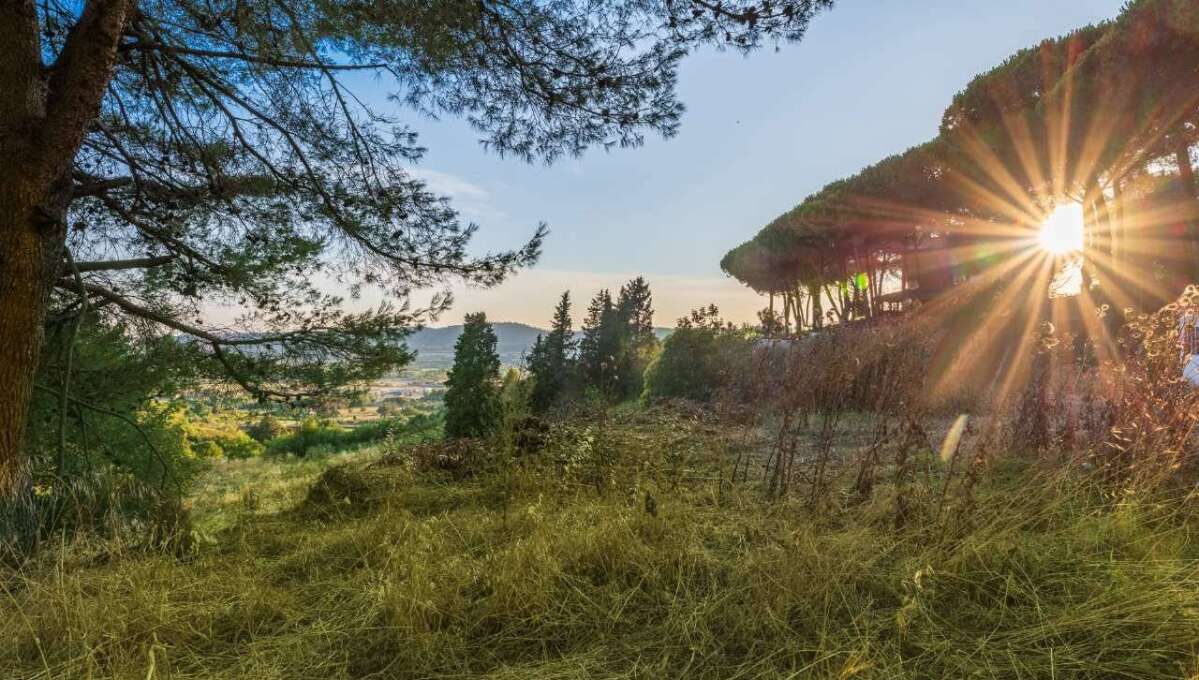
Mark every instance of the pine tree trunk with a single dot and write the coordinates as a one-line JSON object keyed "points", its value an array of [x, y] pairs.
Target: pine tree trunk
{"points": [[26, 246], [786, 316], [814, 292], [1123, 269], [44, 115], [22, 106], [773, 321], [800, 319]]}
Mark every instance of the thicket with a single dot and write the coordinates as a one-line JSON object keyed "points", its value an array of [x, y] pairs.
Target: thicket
{"points": [[1122, 412]]}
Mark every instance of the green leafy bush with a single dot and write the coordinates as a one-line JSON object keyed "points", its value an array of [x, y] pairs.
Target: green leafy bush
{"points": [[702, 356], [265, 428]]}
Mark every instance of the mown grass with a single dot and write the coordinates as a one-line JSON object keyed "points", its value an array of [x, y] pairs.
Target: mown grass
{"points": [[555, 567]]}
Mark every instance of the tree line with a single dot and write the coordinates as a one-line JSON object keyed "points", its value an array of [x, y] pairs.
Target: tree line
{"points": [[607, 360]]}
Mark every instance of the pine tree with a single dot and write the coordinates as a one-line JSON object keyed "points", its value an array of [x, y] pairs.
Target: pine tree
{"points": [[550, 361], [472, 395], [216, 151], [636, 309], [600, 348], [637, 343]]}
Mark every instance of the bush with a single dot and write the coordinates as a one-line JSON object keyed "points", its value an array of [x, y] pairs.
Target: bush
{"points": [[114, 423], [265, 428], [701, 357], [240, 446], [208, 450]]}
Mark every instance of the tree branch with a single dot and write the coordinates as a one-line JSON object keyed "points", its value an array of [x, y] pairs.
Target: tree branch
{"points": [[78, 80], [117, 265], [145, 46]]}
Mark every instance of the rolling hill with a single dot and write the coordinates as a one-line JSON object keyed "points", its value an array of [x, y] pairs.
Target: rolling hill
{"points": [[435, 346]]}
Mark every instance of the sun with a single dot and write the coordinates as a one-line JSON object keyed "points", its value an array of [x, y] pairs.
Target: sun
{"points": [[1062, 232]]}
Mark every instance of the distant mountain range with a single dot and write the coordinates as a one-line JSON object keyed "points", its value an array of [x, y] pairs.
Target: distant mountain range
{"points": [[510, 338], [435, 346]]}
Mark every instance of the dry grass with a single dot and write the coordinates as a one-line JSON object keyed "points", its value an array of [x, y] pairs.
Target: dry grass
{"points": [[262, 485], [554, 567]]}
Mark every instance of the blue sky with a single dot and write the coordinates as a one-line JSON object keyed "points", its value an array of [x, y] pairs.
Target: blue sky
{"points": [[760, 133]]}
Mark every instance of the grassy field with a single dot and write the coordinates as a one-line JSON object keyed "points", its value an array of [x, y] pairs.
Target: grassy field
{"points": [[620, 550]]}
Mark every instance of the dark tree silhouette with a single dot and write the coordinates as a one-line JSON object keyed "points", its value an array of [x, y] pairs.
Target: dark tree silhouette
{"points": [[551, 361], [635, 317], [599, 348]]}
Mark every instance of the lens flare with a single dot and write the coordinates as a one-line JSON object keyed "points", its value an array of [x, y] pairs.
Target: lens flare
{"points": [[1062, 232]]}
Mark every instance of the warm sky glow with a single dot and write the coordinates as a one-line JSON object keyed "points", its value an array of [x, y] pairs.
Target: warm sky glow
{"points": [[1062, 231], [758, 136]]}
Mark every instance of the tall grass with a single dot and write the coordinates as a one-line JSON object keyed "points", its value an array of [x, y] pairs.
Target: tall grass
{"points": [[830, 516], [397, 568]]}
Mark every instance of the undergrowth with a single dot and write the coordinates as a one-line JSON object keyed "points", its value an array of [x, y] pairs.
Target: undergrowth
{"points": [[621, 549]]}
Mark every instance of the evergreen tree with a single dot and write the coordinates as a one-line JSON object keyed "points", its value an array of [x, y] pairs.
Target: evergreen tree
{"points": [[599, 350], [635, 305], [638, 343], [158, 154], [550, 361], [472, 398]]}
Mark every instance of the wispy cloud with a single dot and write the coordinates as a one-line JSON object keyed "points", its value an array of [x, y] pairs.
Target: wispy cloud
{"points": [[450, 184], [469, 198]]}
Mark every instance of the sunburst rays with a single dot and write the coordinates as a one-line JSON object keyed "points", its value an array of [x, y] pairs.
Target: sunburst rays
{"points": [[1059, 243]]}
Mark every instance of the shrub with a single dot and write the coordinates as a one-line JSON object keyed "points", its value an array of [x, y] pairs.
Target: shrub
{"points": [[208, 449], [239, 446], [701, 357], [265, 428]]}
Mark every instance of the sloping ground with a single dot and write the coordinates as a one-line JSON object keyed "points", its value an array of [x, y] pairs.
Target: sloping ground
{"points": [[621, 551]]}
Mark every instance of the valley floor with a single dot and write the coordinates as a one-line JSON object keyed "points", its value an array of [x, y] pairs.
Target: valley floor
{"points": [[621, 549]]}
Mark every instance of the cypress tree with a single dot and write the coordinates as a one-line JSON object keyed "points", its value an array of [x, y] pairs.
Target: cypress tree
{"points": [[550, 361], [637, 342], [472, 394], [599, 349]]}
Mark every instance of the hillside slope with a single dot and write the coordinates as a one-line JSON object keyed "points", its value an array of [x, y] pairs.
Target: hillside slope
{"points": [[622, 552]]}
